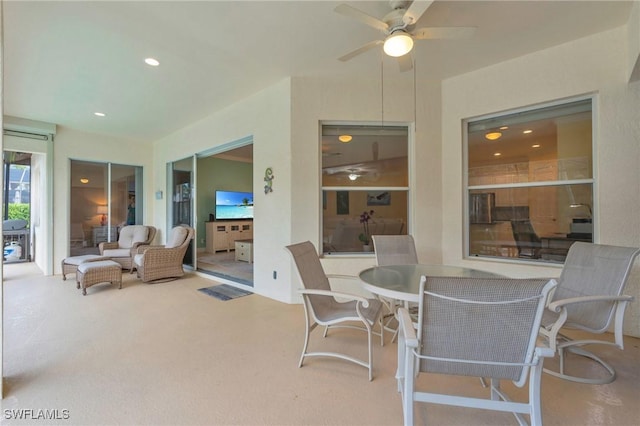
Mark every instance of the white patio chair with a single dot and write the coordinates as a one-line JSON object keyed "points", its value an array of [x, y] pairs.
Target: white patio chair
{"points": [[322, 308], [589, 297], [480, 327], [394, 250]]}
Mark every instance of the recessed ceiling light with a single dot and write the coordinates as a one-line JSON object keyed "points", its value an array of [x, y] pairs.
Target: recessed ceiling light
{"points": [[497, 154], [535, 146], [84, 180], [100, 114], [492, 136], [504, 127], [152, 61], [345, 138], [526, 132]]}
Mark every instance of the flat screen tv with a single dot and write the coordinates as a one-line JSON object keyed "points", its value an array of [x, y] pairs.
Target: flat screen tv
{"points": [[234, 205]]}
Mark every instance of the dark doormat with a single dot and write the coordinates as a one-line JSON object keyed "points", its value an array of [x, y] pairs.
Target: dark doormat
{"points": [[224, 292]]}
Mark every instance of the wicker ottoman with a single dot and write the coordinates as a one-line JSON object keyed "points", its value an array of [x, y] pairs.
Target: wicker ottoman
{"points": [[70, 264], [95, 272]]}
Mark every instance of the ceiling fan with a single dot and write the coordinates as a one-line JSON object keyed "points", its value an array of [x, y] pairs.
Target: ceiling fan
{"points": [[398, 27]]}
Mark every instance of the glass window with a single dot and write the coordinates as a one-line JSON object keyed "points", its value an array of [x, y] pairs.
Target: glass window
{"points": [[104, 197], [365, 182], [530, 182]]}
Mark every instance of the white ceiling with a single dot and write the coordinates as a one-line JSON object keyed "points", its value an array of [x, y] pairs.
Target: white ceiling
{"points": [[65, 60]]}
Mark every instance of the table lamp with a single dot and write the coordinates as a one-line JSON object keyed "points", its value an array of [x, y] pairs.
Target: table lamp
{"points": [[102, 210]]}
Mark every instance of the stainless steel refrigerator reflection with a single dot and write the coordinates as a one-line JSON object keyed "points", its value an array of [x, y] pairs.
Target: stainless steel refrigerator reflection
{"points": [[481, 207]]}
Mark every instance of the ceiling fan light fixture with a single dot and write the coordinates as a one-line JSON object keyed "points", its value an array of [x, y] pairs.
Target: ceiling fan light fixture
{"points": [[492, 136], [398, 44], [345, 138], [353, 176]]}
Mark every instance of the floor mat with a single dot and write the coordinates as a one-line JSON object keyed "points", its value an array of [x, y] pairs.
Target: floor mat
{"points": [[224, 292]]}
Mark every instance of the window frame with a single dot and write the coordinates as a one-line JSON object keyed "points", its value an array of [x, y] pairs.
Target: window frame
{"points": [[410, 127], [467, 189]]}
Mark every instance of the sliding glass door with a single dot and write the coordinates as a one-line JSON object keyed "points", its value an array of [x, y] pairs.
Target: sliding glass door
{"points": [[181, 175], [17, 207], [104, 197]]}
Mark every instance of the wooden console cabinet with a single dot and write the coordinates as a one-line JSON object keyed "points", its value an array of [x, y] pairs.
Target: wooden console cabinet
{"points": [[222, 235]]}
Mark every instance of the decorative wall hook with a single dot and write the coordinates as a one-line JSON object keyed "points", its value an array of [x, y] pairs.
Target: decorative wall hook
{"points": [[268, 178]]}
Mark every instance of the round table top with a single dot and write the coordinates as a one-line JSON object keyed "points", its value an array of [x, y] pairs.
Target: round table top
{"points": [[402, 282]]}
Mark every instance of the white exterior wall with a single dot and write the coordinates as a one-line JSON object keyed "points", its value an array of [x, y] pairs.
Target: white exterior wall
{"points": [[595, 64], [41, 226], [321, 99], [39, 220], [265, 117], [284, 123], [72, 144], [633, 35]]}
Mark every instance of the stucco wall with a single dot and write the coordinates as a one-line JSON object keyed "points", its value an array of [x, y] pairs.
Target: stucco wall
{"points": [[348, 100], [633, 36], [265, 117], [284, 123], [593, 65], [72, 144]]}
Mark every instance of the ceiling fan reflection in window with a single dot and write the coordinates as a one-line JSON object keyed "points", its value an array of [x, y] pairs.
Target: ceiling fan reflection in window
{"points": [[398, 28]]}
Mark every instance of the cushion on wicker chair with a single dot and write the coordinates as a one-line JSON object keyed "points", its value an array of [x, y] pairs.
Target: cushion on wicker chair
{"points": [[129, 238], [132, 234], [176, 237], [120, 252]]}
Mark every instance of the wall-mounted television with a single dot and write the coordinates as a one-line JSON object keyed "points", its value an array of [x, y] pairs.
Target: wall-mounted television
{"points": [[234, 205]]}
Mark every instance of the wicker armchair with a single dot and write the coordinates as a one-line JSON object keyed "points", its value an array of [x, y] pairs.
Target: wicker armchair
{"points": [[164, 263], [129, 239]]}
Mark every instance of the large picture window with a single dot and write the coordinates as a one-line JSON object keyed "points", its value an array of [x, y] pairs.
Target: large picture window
{"points": [[530, 182], [364, 185]]}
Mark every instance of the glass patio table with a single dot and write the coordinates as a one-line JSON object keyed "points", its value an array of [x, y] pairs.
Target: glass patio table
{"points": [[402, 282]]}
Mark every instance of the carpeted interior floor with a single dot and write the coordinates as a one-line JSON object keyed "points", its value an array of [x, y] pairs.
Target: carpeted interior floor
{"points": [[224, 265]]}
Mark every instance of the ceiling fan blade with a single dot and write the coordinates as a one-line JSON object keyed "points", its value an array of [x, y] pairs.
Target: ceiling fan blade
{"points": [[405, 62], [415, 11], [352, 12], [363, 49], [443, 32]]}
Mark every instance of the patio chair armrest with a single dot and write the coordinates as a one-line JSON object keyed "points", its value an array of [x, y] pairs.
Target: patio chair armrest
{"points": [[137, 244], [407, 329], [558, 305], [137, 248], [349, 296], [142, 249], [352, 283], [108, 246]]}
